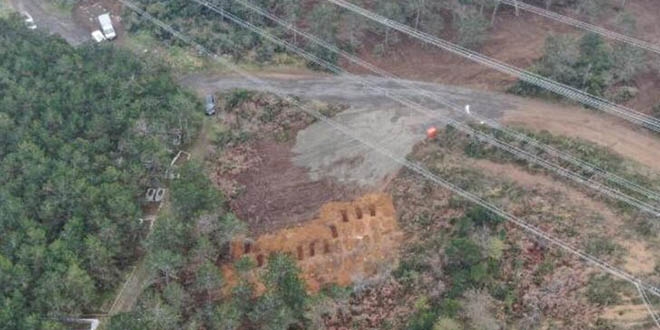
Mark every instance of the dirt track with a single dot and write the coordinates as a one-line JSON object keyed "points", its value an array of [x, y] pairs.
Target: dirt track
{"points": [[53, 20], [378, 118]]}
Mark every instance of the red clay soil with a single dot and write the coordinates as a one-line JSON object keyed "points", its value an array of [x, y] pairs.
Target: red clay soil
{"points": [[276, 193], [514, 40], [348, 242]]}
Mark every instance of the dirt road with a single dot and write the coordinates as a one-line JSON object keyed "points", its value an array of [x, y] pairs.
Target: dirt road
{"points": [[377, 118], [53, 20]]}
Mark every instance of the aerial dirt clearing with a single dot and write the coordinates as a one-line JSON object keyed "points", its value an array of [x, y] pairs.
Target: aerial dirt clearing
{"points": [[377, 116], [349, 241]]}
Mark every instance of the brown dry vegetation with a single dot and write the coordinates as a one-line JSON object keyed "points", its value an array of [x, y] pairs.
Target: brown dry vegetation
{"points": [[254, 169], [516, 40], [543, 286], [548, 289]]}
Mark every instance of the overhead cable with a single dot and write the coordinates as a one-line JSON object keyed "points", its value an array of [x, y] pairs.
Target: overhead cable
{"points": [[530, 77], [400, 160]]}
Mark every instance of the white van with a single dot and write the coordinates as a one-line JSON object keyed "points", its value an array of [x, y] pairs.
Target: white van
{"points": [[106, 26]]}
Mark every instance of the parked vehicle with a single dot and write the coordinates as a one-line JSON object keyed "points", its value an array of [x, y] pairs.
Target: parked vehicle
{"points": [[106, 26], [210, 105], [29, 21], [98, 36]]}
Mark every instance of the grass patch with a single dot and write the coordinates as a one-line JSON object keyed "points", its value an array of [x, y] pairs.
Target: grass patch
{"points": [[5, 9], [179, 59], [603, 290], [64, 6], [600, 157], [185, 60], [601, 246]]}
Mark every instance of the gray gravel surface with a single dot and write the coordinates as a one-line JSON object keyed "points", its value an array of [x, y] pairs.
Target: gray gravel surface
{"points": [[52, 20], [373, 116]]}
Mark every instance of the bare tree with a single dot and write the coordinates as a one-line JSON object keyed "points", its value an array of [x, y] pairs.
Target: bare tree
{"points": [[478, 309]]}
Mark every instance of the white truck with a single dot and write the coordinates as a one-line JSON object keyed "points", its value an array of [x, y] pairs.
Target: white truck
{"points": [[106, 26]]}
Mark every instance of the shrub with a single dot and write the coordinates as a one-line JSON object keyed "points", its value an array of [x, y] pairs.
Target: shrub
{"points": [[424, 316], [600, 246], [462, 253], [472, 28], [482, 216], [445, 323], [236, 98], [602, 290], [655, 112]]}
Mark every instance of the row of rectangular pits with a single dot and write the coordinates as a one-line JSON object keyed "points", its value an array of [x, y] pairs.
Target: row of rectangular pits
{"points": [[300, 249], [299, 253], [358, 212]]}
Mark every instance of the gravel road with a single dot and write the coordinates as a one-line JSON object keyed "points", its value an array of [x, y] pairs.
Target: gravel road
{"points": [[52, 20], [326, 152]]}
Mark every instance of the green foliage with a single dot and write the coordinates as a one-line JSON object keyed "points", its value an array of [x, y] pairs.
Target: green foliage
{"points": [[483, 217], [446, 323], [193, 193], [225, 37], [66, 4], [462, 253], [324, 20], [244, 264], [594, 64], [603, 290], [127, 321], [164, 265], [424, 316], [587, 64], [449, 307], [236, 98], [656, 111], [282, 278], [472, 27], [271, 313], [466, 266], [83, 132], [208, 278], [601, 246]]}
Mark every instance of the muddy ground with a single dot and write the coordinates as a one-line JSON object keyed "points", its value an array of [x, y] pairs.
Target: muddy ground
{"points": [[276, 193]]}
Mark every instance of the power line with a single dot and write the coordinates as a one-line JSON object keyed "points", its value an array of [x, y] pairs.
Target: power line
{"points": [[647, 304], [402, 161], [521, 137], [480, 136], [532, 78], [583, 25]]}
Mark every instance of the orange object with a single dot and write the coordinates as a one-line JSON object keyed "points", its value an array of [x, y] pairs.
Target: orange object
{"points": [[431, 133]]}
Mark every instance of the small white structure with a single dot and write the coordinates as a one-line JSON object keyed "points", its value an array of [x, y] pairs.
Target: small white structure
{"points": [[155, 195], [151, 194], [29, 21], [98, 36], [160, 193], [106, 26]]}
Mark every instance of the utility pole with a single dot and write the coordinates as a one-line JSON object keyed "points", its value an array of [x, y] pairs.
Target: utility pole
{"points": [[515, 2]]}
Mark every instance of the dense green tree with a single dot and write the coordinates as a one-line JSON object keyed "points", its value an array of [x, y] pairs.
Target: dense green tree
{"points": [[282, 277], [193, 193], [83, 131], [164, 265], [208, 279], [324, 20], [594, 64], [472, 27], [587, 64]]}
